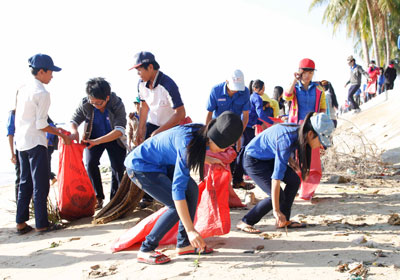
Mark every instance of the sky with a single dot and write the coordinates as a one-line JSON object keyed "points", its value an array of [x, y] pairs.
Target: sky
{"points": [[197, 43]]}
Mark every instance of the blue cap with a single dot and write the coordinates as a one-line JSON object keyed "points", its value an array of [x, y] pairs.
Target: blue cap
{"points": [[143, 57], [324, 127], [43, 61]]}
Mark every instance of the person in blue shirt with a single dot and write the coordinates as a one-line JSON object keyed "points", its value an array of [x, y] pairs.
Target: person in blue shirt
{"points": [[52, 143], [14, 152], [231, 95], [268, 161], [103, 113], [161, 167]]}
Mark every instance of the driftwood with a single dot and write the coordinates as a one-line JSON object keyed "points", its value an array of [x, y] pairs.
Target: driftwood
{"points": [[125, 200]]}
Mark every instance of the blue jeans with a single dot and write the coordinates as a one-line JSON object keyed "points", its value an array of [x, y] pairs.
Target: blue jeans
{"points": [[350, 97], [261, 171], [34, 180], [117, 156], [159, 186]]}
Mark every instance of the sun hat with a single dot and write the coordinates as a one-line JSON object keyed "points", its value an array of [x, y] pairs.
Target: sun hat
{"points": [[324, 127], [143, 57], [236, 81], [350, 58], [226, 129], [307, 64], [42, 61]]}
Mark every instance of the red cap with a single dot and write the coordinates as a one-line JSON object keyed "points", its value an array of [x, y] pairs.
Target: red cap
{"points": [[307, 63]]}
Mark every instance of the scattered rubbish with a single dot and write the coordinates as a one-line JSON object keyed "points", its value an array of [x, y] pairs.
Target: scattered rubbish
{"points": [[248, 252], [371, 244], [394, 220], [351, 171], [342, 267], [380, 254], [341, 234], [337, 179], [95, 267], [55, 244], [265, 235], [259, 247], [74, 238], [359, 240], [375, 192], [335, 255], [357, 270]]}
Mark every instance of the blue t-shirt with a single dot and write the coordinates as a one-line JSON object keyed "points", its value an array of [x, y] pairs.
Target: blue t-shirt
{"points": [[164, 149], [219, 101], [101, 124], [11, 123], [276, 142], [306, 99], [50, 137], [257, 112]]}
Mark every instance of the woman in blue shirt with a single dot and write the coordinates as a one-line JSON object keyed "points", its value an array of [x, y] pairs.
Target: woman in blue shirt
{"points": [[161, 167], [266, 161]]}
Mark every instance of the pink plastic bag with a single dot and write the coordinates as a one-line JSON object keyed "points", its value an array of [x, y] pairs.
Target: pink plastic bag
{"points": [[308, 187]]}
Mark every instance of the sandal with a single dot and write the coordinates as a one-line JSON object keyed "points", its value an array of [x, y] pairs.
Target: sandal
{"points": [[247, 228], [51, 227], [196, 251], [154, 258], [24, 230], [246, 186], [291, 224]]}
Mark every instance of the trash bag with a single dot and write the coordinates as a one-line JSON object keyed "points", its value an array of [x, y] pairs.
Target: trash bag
{"points": [[76, 197], [212, 215], [308, 187]]}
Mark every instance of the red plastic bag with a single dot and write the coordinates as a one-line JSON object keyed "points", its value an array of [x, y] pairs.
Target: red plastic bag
{"points": [[308, 187], [76, 197], [212, 215]]}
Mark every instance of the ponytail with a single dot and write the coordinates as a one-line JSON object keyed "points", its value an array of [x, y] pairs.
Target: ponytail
{"points": [[304, 150], [196, 150], [251, 87]]}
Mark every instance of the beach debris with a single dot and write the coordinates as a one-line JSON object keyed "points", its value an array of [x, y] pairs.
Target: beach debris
{"points": [[359, 240], [265, 235], [341, 234], [259, 247], [124, 201], [337, 179], [249, 252], [97, 272], [357, 270], [95, 267], [342, 267], [394, 219], [351, 171], [55, 244], [379, 254], [371, 244], [74, 238]]}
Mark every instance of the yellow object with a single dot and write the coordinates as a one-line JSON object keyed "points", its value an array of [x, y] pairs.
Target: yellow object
{"points": [[274, 104]]}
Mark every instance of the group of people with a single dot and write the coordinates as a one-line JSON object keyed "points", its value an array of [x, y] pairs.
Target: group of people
{"points": [[164, 150], [378, 81]]}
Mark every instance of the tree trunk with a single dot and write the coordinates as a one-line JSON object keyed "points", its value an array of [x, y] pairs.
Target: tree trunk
{"points": [[388, 50], [364, 45], [373, 32]]}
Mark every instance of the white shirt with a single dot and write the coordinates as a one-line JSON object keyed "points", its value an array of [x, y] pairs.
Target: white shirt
{"points": [[33, 102]]}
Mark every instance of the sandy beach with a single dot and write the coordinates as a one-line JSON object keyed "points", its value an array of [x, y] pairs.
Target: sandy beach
{"points": [[348, 224]]}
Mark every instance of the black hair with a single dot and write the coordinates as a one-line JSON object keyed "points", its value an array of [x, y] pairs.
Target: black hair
{"points": [[257, 84], [196, 150], [278, 91], [35, 71], [155, 64], [304, 149], [98, 88]]}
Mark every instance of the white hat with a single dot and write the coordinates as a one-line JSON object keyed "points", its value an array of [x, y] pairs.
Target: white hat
{"points": [[236, 81]]}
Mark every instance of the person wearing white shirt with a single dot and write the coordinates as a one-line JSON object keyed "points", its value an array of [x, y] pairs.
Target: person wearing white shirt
{"points": [[33, 102]]}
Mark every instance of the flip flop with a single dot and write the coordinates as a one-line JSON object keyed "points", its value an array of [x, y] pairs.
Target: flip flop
{"points": [[52, 227], [291, 224], [155, 258], [246, 186], [247, 228], [196, 251], [24, 230]]}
